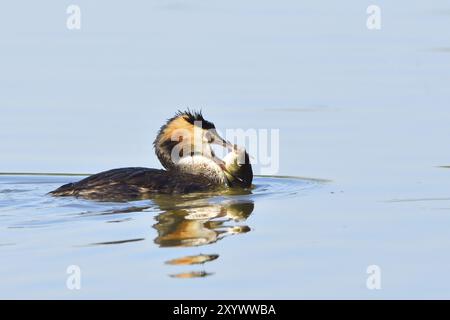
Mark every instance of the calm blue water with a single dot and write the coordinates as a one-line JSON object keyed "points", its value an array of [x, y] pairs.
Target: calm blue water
{"points": [[367, 111], [124, 249]]}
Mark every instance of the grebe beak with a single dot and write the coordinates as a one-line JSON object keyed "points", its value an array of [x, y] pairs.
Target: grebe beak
{"points": [[221, 142], [226, 144]]}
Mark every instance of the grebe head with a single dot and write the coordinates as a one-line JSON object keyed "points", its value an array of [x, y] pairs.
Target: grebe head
{"points": [[187, 134]]}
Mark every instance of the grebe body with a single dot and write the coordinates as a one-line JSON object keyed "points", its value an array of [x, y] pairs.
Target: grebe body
{"points": [[135, 182]]}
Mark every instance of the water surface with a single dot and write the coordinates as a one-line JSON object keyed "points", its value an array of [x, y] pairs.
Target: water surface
{"points": [[174, 236]]}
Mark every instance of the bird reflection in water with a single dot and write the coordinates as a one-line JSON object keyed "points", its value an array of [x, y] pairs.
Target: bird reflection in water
{"points": [[196, 223]]}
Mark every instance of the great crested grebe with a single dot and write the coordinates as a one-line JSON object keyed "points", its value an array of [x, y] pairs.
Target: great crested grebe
{"points": [[183, 146]]}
